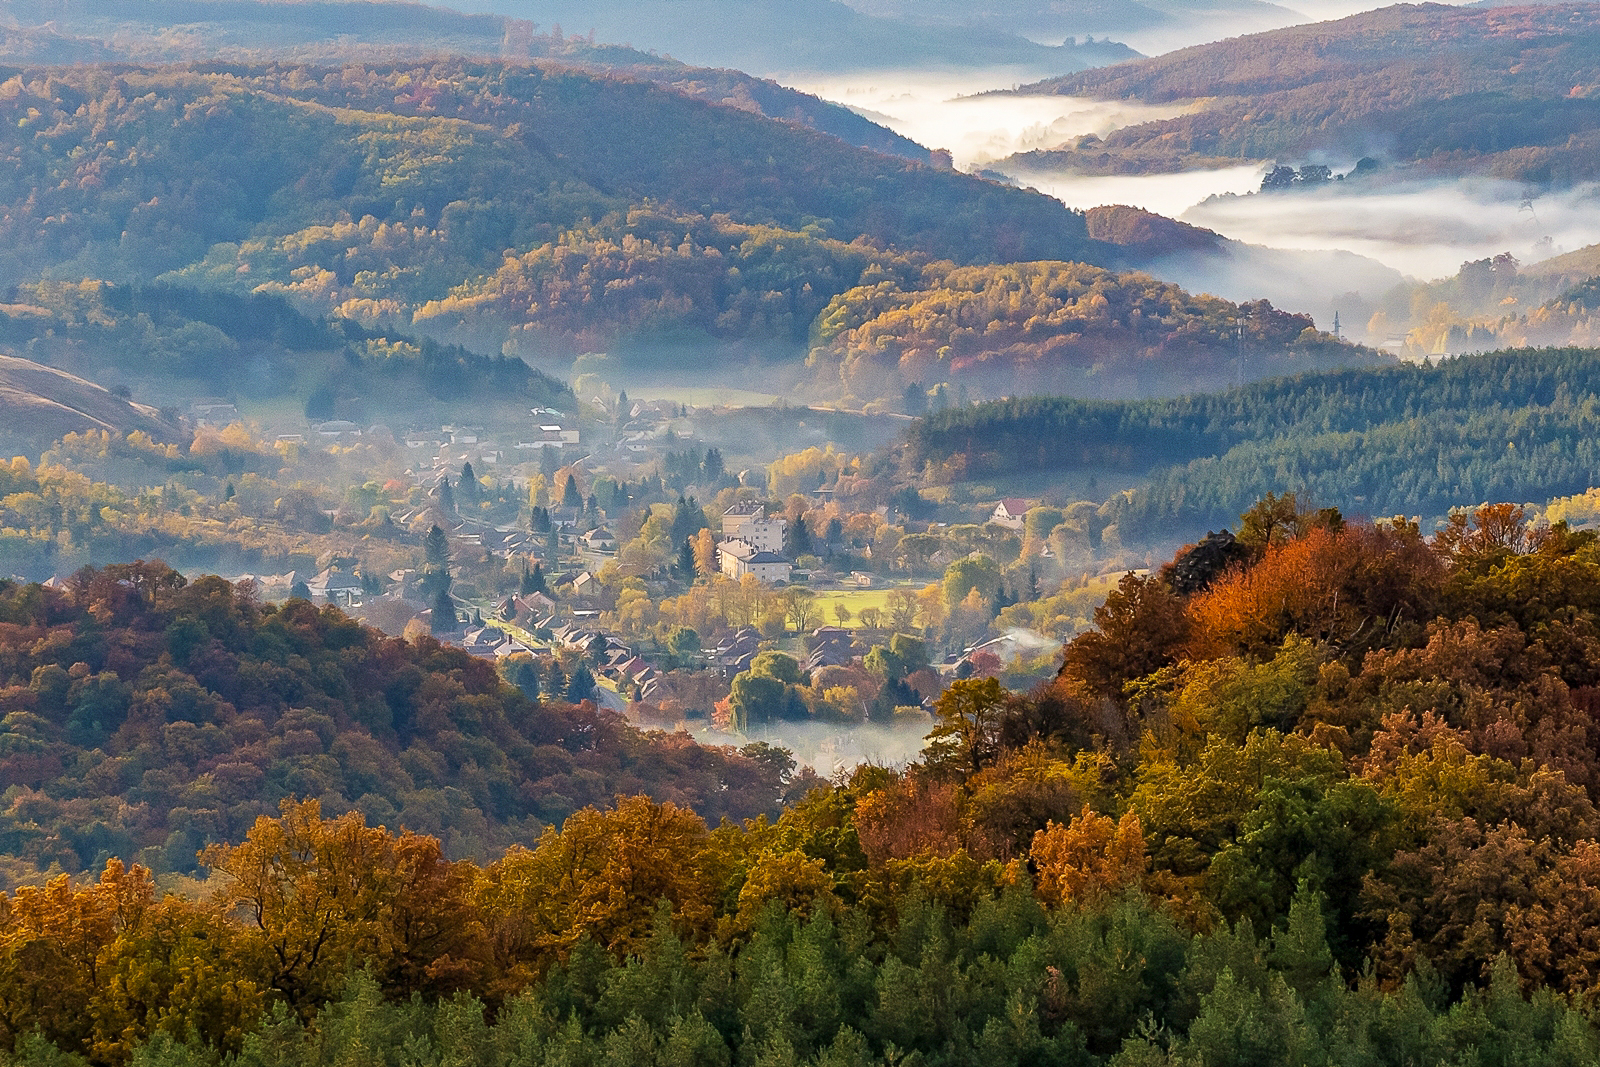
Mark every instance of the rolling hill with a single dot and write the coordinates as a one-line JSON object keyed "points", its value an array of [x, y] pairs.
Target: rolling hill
{"points": [[773, 37], [264, 170], [1408, 440], [343, 31], [175, 343], [206, 708], [1508, 91], [544, 211], [40, 404]]}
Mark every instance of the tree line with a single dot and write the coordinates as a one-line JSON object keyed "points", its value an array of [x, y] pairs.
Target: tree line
{"points": [[1410, 440]]}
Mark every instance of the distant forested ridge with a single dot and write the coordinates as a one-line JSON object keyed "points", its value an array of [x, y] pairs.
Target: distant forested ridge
{"points": [[1516, 425], [262, 170], [544, 211], [777, 37], [1507, 90], [1023, 327], [357, 31]]}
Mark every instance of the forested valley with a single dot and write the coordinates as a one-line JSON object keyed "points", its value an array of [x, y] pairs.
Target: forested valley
{"points": [[1317, 792], [520, 551]]}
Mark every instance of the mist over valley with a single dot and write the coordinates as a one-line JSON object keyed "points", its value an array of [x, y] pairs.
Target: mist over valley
{"points": [[1031, 533]]}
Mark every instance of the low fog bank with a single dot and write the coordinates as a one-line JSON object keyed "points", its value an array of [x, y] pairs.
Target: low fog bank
{"points": [[1341, 246], [1165, 194], [1319, 283], [1422, 228], [834, 749], [948, 111]]}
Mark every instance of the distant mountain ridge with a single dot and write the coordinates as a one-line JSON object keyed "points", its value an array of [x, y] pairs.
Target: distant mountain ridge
{"points": [[1508, 91], [1044, 20], [761, 36], [772, 37], [145, 31]]}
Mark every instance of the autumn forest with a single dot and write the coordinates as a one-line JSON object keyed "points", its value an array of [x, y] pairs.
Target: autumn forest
{"points": [[1318, 791], [526, 546]]}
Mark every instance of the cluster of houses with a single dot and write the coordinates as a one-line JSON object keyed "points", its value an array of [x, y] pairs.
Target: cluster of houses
{"points": [[487, 642], [752, 543], [476, 532], [451, 446], [331, 585], [736, 652], [612, 659]]}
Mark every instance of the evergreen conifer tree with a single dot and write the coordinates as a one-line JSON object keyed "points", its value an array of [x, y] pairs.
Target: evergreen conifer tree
{"points": [[444, 611], [436, 563], [471, 490]]}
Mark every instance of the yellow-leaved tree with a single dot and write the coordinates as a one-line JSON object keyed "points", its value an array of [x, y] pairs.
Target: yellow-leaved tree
{"points": [[604, 874], [317, 894]]}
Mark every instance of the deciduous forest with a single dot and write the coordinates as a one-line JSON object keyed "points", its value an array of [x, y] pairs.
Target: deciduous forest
{"points": [[1317, 792], [1455, 90], [545, 211], [148, 716]]}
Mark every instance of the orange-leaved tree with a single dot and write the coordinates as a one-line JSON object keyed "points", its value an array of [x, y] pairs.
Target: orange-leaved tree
{"points": [[1087, 859], [99, 968], [323, 896], [603, 874]]}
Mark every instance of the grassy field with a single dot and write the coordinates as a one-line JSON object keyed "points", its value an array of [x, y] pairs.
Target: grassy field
{"points": [[856, 600]]}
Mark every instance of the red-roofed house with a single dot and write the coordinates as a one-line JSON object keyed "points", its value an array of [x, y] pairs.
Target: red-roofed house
{"points": [[1009, 512]]}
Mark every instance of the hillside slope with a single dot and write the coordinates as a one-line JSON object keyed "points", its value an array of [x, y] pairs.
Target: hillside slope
{"points": [[536, 210], [146, 716], [391, 184], [1503, 90], [1379, 441], [40, 404], [176, 343], [345, 31]]}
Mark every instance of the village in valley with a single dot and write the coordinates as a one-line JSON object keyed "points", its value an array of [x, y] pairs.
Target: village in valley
{"points": [[610, 555]]}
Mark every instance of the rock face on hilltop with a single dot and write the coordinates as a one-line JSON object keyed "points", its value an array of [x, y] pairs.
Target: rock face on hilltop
{"points": [[40, 404]]}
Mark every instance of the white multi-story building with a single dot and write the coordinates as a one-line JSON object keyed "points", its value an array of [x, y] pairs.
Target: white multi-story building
{"points": [[738, 558], [747, 522]]}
